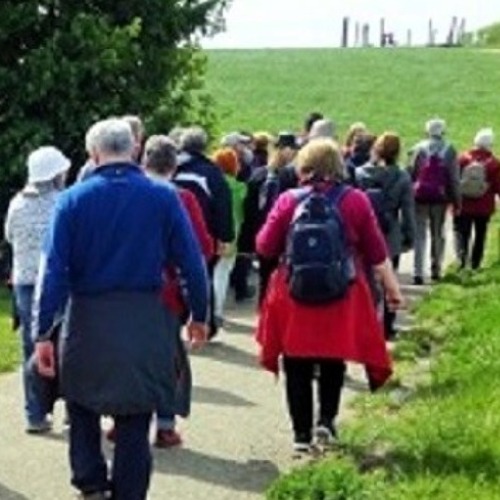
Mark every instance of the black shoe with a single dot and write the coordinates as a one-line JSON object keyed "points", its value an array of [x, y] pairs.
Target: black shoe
{"points": [[392, 335], [418, 281], [436, 277], [302, 443], [247, 294]]}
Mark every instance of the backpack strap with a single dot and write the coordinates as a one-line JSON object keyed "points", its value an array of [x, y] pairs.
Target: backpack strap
{"points": [[337, 193]]}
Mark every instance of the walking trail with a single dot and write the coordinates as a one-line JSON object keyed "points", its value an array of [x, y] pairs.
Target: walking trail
{"points": [[237, 440]]}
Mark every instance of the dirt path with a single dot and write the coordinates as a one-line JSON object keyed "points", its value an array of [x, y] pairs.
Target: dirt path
{"points": [[237, 441]]}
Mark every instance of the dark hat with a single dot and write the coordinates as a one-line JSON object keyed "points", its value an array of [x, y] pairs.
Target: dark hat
{"points": [[287, 140]]}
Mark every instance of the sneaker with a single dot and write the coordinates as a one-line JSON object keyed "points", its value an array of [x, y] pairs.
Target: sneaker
{"points": [[245, 295], [326, 435], [167, 438], [436, 277], [302, 444], [418, 281], [98, 495], [299, 447], [42, 427]]}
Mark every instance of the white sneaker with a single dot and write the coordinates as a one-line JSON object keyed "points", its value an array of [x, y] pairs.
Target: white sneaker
{"points": [[325, 436]]}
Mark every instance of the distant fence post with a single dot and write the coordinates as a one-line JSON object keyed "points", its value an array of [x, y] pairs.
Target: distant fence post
{"points": [[345, 32]]}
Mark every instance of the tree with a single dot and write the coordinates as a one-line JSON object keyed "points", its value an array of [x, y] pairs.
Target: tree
{"points": [[67, 63]]}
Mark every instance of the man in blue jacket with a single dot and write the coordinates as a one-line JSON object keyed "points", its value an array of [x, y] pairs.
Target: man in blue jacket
{"points": [[103, 264]]}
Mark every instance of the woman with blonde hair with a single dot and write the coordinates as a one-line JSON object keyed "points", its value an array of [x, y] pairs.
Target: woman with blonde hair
{"points": [[319, 337], [355, 130]]}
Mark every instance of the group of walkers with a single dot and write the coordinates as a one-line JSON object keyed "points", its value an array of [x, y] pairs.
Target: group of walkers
{"points": [[109, 273]]}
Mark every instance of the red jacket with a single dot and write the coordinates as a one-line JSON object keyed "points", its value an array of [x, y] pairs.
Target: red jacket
{"points": [[484, 206], [171, 294], [347, 329]]}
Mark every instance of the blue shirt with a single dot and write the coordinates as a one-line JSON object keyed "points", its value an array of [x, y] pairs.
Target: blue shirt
{"points": [[117, 231]]}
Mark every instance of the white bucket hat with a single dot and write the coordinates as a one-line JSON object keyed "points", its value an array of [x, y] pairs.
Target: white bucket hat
{"points": [[484, 139], [46, 163]]}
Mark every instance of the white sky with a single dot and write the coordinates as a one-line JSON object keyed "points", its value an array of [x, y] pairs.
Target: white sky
{"points": [[317, 23]]}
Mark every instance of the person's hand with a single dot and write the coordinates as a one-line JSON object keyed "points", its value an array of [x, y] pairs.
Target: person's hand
{"points": [[395, 299], [45, 359], [197, 334], [223, 249]]}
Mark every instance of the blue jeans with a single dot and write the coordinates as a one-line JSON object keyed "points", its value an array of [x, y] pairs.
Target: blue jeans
{"points": [[24, 300], [132, 462]]}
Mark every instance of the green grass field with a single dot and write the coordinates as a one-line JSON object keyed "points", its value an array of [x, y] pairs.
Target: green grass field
{"points": [[388, 89], [10, 345]]}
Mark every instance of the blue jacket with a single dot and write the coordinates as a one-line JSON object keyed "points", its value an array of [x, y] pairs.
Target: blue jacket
{"points": [[205, 180], [116, 232]]}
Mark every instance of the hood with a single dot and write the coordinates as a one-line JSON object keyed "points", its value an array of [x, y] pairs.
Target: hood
{"points": [[370, 175]]}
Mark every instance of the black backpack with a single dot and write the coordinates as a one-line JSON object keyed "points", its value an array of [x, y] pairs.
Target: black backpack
{"points": [[269, 192], [379, 194], [318, 256]]}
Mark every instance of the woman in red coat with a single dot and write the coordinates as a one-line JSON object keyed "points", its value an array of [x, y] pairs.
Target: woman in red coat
{"points": [[318, 339], [476, 210]]}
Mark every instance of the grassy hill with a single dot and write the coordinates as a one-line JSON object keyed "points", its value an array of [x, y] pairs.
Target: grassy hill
{"points": [[388, 89]]}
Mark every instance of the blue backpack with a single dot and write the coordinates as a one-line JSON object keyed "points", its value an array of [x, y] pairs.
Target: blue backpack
{"points": [[318, 256]]}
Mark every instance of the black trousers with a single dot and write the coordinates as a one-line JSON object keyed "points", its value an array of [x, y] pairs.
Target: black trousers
{"points": [[213, 326], [300, 374], [463, 225], [390, 316], [240, 276]]}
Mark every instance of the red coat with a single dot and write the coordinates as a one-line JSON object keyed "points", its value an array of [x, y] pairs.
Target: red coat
{"points": [[484, 206], [171, 294], [347, 329]]}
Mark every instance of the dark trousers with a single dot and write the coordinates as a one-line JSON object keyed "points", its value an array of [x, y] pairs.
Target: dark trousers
{"points": [[300, 374], [213, 326], [390, 316], [463, 225], [132, 458], [240, 276]]}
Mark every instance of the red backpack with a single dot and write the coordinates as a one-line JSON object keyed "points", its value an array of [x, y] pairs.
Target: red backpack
{"points": [[432, 181]]}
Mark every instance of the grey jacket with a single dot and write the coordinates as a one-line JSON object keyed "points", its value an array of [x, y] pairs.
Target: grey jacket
{"points": [[435, 145], [400, 203]]}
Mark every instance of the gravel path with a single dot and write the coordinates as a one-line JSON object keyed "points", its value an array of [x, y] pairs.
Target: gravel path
{"points": [[237, 441]]}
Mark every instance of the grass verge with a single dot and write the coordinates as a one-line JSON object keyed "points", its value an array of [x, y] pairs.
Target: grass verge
{"points": [[10, 346], [440, 437]]}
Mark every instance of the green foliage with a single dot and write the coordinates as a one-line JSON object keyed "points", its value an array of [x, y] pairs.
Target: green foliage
{"points": [[440, 440], [489, 36], [64, 64], [328, 480], [10, 343]]}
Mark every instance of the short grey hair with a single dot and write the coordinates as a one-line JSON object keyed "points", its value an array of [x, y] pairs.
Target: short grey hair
{"points": [[175, 135], [160, 154], [193, 140], [112, 136]]}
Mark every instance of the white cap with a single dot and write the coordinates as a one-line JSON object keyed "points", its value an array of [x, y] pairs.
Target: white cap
{"points": [[234, 138], [435, 128], [323, 128], [484, 139], [46, 163]]}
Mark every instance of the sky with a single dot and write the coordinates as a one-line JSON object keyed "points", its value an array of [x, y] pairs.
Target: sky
{"points": [[317, 23]]}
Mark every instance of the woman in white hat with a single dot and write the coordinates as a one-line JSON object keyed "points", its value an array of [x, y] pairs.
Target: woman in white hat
{"points": [[27, 220]]}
